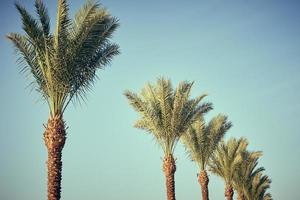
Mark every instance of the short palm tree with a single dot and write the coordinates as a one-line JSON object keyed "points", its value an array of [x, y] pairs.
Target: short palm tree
{"points": [[226, 160], [200, 141], [63, 65], [257, 188], [167, 114], [245, 171]]}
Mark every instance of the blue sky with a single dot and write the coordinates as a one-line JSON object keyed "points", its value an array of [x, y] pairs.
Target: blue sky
{"points": [[244, 54]]}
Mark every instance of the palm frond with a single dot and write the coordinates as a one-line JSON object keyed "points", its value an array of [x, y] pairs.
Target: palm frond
{"points": [[201, 140], [62, 27], [246, 170], [227, 158], [257, 188], [30, 26], [43, 16], [29, 61]]}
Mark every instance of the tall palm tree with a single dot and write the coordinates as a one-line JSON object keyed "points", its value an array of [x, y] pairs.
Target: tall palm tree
{"points": [[226, 160], [245, 171], [167, 114], [257, 188], [63, 65], [200, 141]]}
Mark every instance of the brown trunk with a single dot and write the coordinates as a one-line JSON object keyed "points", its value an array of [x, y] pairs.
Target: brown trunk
{"points": [[54, 137], [229, 192], [169, 168], [203, 180], [240, 195]]}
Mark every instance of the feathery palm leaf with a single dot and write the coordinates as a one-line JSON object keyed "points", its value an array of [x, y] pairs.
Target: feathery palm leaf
{"points": [[227, 158], [257, 188], [246, 170], [201, 140]]}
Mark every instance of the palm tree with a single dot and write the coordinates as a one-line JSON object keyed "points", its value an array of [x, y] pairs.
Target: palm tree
{"points": [[167, 114], [246, 170], [257, 188], [226, 160], [63, 65], [201, 140]]}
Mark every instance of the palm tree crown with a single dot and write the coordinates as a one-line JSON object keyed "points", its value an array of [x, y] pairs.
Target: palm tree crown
{"points": [[201, 140], [245, 171], [227, 158], [166, 113], [64, 63], [257, 189]]}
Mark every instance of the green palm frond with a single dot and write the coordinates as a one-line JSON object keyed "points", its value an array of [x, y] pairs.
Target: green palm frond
{"points": [[29, 62], [91, 48], [43, 15], [257, 188], [31, 27], [64, 64], [267, 196], [201, 140], [227, 158], [166, 113], [246, 170], [63, 23]]}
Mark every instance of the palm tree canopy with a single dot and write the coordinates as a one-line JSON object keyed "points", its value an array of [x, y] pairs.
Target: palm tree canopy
{"points": [[257, 189], [246, 169], [167, 113], [64, 63], [227, 158], [202, 139]]}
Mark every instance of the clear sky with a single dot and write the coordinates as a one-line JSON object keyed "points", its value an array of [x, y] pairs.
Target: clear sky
{"points": [[244, 53]]}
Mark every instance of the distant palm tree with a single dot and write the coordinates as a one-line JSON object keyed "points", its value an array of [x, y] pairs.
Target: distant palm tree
{"points": [[201, 140], [245, 171], [63, 65], [226, 160], [257, 188], [167, 114]]}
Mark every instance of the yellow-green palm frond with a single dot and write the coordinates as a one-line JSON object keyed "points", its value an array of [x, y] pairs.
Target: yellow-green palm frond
{"points": [[267, 196], [201, 139], [166, 113], [29, 61], [257, 188], [246, 169], [64, 64], [227, 158]]}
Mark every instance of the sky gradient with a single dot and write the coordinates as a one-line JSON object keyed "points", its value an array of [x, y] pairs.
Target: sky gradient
{"points": [[244, 53]]}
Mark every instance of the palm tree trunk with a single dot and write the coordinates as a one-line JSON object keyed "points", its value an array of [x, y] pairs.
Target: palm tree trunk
{"points": [[229, 192], [169, 168], [240, 195], [203, 180], [54, 137]]}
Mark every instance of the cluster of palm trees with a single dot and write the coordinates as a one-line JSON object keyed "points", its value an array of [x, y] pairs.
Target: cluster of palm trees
{"points": [[64, 64], [170, 115]]}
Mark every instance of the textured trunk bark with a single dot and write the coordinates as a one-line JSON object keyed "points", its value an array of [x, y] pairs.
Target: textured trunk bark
{"points": [[54, 137], [240, 195], [229, 192], [203, 181], [169, 168]]}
